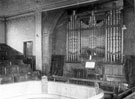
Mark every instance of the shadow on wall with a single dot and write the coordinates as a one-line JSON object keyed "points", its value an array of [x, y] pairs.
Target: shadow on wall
{"points": [[9, 55], [49, 36]]}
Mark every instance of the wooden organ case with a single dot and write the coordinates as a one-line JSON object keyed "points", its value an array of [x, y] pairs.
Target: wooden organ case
{"points": [[96, 33]]}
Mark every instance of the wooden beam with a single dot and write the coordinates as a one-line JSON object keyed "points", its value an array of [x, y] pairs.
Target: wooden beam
{"points": [[20, 15]]}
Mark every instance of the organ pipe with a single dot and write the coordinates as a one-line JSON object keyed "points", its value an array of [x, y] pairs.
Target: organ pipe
{"points": [[78, 32]]}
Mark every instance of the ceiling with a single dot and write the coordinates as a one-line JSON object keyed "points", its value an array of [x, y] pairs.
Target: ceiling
{"points": [[14, 7]]}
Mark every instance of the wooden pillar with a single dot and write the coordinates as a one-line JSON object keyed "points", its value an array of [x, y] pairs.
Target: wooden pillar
{"points": [[38, 39]]}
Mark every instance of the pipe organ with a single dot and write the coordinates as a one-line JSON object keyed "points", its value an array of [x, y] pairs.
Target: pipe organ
{"points": [[73, 39], [98, 33], [113, 36]]}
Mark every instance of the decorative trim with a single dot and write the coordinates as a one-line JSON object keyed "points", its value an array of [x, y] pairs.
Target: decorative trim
{"points": [[20, 15], [53, 6]]}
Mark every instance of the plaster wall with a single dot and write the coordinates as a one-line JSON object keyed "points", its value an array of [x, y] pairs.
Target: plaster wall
{"points": [[59, 36], [2, 32], [19, 30], [129, 33], [15, 7], [49, 22]]}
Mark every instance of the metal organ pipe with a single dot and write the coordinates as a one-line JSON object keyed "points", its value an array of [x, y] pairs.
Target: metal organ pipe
{"points": [[73, 35], [67, 49], [114, 36], [70, 39], [106, 39]]}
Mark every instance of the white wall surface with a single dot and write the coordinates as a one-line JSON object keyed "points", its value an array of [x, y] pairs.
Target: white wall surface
{"points": [[56, 90], [8, 91], [19, 30], [71, 90]]}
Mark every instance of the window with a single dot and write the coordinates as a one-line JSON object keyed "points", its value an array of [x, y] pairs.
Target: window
{"points": [[94, 33]]}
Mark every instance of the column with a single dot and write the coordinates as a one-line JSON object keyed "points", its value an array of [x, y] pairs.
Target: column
{"points": [[38, 39]]}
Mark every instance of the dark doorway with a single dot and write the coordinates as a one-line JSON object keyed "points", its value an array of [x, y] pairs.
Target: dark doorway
{"points": [[28, 53], [28, 48]]}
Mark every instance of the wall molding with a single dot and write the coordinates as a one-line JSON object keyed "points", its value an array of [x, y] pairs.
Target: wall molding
{"points": [[42, 7], [20, 15], [64, 4]]}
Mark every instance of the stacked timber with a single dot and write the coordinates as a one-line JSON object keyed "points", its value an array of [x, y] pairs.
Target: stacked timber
{"points": [[21, 77], [18, 73], [7, 79], [15, 67]]}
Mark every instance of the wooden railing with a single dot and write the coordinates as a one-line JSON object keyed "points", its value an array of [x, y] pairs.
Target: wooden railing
{"points": [[126, 93], [111, 86]]}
